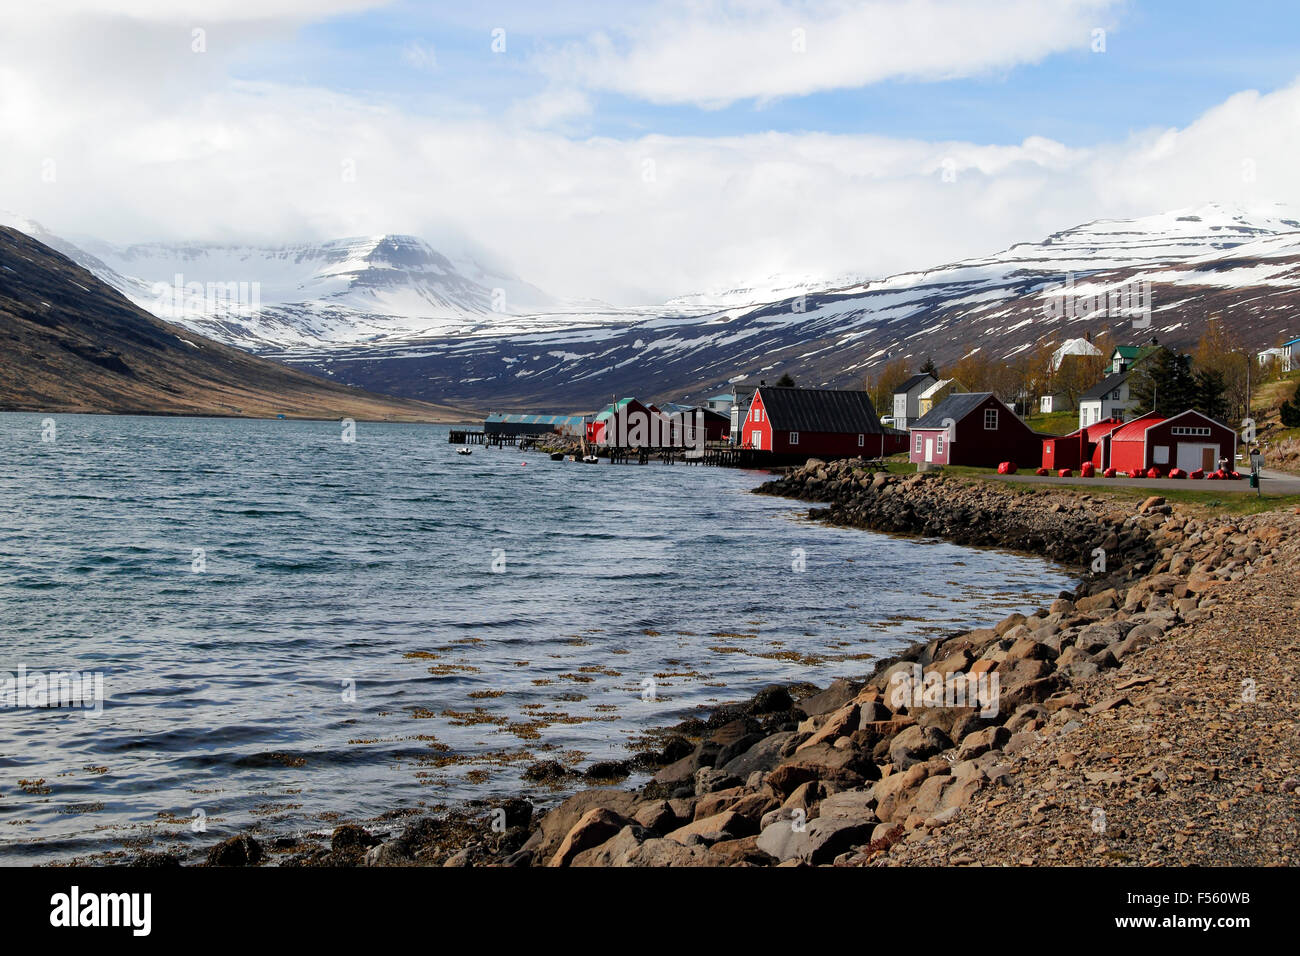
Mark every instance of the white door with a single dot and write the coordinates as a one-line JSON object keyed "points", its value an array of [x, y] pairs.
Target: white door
{"points": [[1191, 455], [929, 449]]}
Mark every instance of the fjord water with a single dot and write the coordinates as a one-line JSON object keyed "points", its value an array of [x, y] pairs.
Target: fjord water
{"points": [[294, 630]]}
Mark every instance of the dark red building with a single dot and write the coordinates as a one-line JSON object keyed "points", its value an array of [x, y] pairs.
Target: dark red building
{"points": [[817, 423], [975, 429], [1189, 441]]}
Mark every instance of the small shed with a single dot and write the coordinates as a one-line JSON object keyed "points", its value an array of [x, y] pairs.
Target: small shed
{"points": [[1086, 444]]}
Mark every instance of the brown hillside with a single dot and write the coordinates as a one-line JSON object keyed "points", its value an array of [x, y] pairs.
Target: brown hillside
{"points": [[70, 343]]}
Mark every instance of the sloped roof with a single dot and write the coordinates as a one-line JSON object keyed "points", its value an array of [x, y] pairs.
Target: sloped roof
{"points": [[940, 386], [609, 410], [819, 410], [1136, 430], [956, 407], [1107, 385], [498, 417], [911, 383]]}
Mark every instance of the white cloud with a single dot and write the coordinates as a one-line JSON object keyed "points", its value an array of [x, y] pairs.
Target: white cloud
{"points": [[196, 156], [421, 56], [196, 11], [715, 52]]}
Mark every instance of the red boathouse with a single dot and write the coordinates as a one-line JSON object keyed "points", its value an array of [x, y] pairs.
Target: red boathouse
{"points": [[817, 423]]}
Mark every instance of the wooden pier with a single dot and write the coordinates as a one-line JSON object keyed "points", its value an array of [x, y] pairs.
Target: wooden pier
{"points": [[718, 454], [461, 437]]}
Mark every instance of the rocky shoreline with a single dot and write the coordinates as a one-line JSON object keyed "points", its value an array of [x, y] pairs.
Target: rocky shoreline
{"points": [[1079, 733]]}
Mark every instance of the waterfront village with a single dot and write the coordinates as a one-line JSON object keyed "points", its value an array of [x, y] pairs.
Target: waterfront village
{"points": [[933, 420]]}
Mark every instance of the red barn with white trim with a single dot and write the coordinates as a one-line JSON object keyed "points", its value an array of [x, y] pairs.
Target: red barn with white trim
{"points": [[815, 422], [1188, 441], [976, 429]]}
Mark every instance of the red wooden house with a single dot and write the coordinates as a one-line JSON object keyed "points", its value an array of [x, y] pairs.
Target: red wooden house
{"points": [[1087, 444], [821, 423], [627, 421], [973, 428], [1189, 441]]}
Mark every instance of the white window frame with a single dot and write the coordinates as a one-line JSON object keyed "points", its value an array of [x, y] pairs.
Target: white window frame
{"points": [[918, 443], [938, 443], [994, 419], [862, 440], [794, 438]]}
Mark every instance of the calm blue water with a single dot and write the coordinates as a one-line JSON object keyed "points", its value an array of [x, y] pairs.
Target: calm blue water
{"points": [[345, 647]]}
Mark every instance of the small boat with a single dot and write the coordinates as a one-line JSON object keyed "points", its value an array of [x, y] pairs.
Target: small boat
{"points": [[557, 456], [590, 459], [464, 451]]}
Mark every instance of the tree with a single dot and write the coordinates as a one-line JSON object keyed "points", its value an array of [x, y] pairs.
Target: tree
{"points": [[785, 381], [891, 376], [1211, 394], [1163, 383], [1290, 411], [929, 368], [1220, 351]]}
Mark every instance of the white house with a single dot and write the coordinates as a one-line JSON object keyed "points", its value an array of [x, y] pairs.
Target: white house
{"points": [[936, 393], [1109, 398], [1080, 347], [907, 399], [1286, 355]]}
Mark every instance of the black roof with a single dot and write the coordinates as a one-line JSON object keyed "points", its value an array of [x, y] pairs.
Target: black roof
{"points": [[956, 407], [1107, 385], [820, 410], [912, 382]]}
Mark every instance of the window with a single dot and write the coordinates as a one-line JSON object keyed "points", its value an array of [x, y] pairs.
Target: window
{"points": [[918, 443], [862, 440], [990, 419], [1161, 454], [794, 438], [1191, 431], [938, 444], [1114, 396]]}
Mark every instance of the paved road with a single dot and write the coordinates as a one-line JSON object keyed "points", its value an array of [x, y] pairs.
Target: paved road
{"points": [[1275, 483]]}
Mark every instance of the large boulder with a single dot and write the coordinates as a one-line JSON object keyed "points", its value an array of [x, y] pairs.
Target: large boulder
{"points": [[763, 755], [594, 827], [817, 841], [720, 826], [556, 824], [917, 744]]}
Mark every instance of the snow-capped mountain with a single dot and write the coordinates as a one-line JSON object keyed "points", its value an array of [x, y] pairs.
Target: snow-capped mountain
{"points": [[1159, 276], [335, 293], [392, 314], [343, 291]]}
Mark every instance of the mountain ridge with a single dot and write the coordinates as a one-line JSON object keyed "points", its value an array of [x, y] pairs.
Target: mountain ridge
{"points": [[71, 343]]}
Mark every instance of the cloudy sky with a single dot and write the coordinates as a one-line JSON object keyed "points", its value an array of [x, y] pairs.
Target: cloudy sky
{"points": [[634, 151]]}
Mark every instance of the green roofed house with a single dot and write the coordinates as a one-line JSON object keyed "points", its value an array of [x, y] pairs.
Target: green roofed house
{"points": [[1124, 358]]}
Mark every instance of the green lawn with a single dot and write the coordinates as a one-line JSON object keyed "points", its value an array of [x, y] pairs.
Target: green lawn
{"points": [[1055, 423]]}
